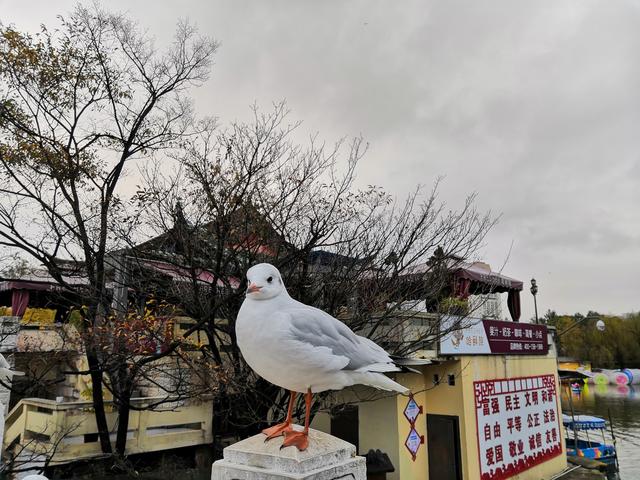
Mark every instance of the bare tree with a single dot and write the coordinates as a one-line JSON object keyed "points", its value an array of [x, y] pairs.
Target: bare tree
{"points": [[77, 105], [249, 193], [13, 266], [80, 104]]}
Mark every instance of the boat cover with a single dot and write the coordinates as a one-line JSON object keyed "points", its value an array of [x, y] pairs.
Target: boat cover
{"points": [[583, 422]]}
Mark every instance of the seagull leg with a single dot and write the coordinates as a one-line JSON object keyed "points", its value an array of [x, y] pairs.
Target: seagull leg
{"points": [[300, 439], [282, 428]]}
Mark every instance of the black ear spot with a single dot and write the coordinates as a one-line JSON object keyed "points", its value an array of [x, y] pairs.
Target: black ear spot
{"points": [[270, 279]]}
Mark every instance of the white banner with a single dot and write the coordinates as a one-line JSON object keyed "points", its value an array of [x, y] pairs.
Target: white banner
{"points": [[467, 336], [518, 424]]}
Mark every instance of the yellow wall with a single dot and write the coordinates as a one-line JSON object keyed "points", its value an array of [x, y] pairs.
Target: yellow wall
{"points": [[378, 422], [406, 467], [444, 399], [378, 429], [383, 424]]}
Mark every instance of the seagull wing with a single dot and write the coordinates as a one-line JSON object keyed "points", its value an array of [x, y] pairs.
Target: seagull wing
{"points": [[332, 343]]}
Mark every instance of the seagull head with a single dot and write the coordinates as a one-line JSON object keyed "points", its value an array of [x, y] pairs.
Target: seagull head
{"points": [[264, 282]]}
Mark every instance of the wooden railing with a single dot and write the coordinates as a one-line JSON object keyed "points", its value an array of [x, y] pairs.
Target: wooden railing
{"points": [[67, 431]]}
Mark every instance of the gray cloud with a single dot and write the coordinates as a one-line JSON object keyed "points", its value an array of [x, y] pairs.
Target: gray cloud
{"points": [[534, 105]]}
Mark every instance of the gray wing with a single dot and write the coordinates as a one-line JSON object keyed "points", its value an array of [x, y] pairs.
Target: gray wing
{"points": [[316, 328]]}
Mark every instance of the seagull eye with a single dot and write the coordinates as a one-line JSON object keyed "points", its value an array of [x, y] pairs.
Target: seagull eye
{"points": [[270, 279]]}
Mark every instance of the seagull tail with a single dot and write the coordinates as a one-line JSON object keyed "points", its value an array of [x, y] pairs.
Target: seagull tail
{"points": [[378, 380]]}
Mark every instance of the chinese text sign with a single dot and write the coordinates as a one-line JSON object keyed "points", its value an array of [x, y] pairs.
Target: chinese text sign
{"points": [[471, 336], [518, 424]]}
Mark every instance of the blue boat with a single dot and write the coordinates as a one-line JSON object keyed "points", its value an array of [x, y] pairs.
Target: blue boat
{"points": [[587, 448]]}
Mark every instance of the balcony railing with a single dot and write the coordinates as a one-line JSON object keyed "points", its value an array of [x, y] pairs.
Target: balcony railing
{"points": [[67, 431]]}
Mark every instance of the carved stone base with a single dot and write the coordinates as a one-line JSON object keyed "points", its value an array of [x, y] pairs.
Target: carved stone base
{"points": [[254, 459]]}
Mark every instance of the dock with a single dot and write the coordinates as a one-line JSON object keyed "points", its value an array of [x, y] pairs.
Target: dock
{"points": [[580, 468], [580, 473]]}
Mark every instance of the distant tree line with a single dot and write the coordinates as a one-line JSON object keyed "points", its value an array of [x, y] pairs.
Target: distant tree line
{"points": [[617, 346]]}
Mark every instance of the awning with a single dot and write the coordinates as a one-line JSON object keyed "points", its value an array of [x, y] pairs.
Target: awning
{"points": [[566, 374], [20, 285], [477, 278], [481, 273], [41, 280], [583, 422]]}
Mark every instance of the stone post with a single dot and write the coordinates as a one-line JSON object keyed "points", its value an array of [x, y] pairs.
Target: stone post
{"points": [[326, 458]]}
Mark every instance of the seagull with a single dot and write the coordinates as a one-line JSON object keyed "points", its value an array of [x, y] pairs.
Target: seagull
{"points": [[303, 349]]}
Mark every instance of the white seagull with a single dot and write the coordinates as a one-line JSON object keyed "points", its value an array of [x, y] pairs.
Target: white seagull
{"points": [[303, 349]]}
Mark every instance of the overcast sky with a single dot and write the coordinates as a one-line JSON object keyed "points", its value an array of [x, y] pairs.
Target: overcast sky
{"points": [[533, 105]]}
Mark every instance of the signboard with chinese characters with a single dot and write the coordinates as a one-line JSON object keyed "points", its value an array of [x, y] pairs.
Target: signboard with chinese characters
{"points": [[518, 424], [414, 439], [412, 410], [516, 338], [413, 442], [469, 336]]}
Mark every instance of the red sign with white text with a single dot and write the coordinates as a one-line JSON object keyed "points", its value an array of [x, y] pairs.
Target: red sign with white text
{"points": [[518, 424], [514, 337], [474, 336]]}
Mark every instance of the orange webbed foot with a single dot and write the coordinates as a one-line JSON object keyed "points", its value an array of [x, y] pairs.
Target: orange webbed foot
{"points": [[297, 439], [277, 430]]}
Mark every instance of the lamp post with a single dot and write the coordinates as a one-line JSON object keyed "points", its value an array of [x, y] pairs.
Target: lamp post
{"points": [[534, 291]]}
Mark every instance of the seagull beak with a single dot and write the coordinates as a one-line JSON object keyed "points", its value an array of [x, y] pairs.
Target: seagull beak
{"points": [[252, 288]]}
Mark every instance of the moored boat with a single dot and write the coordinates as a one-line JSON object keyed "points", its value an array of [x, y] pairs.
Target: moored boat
{"points": [[588, 448]]}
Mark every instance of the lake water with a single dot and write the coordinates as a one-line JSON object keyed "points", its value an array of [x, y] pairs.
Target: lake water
{"points": [[624, 404]]}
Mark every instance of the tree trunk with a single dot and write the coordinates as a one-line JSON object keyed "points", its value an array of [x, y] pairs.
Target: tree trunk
{"points": [[123, 425], [98, 401], [122, 385]]}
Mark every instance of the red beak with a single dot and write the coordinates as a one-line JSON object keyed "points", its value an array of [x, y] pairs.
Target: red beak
{"points": [[253, 288]]}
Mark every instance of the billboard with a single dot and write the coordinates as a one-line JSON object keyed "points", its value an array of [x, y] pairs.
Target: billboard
{"points": [[518, 424], [474, 336]]}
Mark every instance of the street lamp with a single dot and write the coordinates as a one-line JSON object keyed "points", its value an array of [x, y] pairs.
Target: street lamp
{"points": [[534, 291]]}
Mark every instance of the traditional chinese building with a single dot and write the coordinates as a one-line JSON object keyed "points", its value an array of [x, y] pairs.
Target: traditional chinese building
{"points": [[485, 405]]}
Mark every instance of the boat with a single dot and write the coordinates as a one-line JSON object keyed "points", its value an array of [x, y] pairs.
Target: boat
{"points": [[588, 448]]}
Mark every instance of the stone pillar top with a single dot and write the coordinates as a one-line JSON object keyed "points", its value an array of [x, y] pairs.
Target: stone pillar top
{"points": [[326, 455]]}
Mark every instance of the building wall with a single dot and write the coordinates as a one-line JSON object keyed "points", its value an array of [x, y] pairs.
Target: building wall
{"points": [[382, 424], [378, 427], [443, 399], [406, 467], [382, 432]]}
